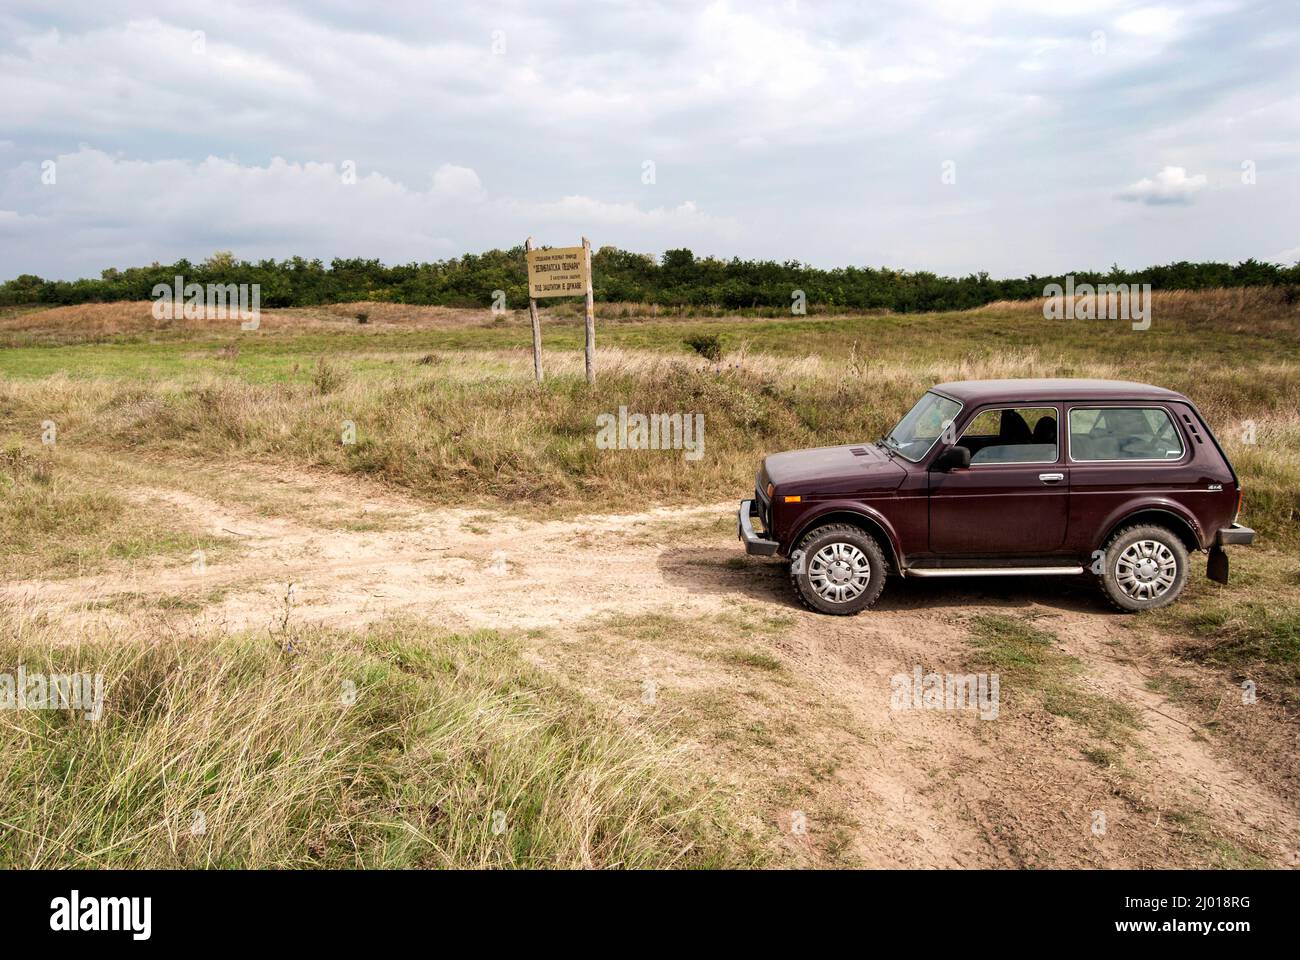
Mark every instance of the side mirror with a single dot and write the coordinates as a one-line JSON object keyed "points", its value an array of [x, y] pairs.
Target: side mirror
{"points": [[954, 458]]}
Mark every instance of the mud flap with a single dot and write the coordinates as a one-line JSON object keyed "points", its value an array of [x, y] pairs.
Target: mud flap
{"points": [[1217, 568]]}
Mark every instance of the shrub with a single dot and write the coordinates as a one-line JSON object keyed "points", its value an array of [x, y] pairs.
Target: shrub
{"points": [[707, 345], [327, 377]]}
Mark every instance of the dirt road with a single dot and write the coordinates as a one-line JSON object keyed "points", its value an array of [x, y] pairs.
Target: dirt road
{"points": [[815, 742]]}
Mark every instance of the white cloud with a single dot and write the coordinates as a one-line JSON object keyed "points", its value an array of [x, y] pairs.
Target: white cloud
{"points": [[106, 210], [578, 210], [807, 131], [1171, 185], [15, 224], [1160, 23], [457, 183]]}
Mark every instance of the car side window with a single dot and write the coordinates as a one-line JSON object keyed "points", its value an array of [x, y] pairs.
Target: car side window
{"points": [[1012, 435], [1123, 433]]}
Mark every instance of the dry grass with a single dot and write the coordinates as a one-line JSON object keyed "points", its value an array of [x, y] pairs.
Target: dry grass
{"points": [[448, 729], [133, 319], [399, 747], [58, 523], [1240, 310], [101, 322], [478, 429]]}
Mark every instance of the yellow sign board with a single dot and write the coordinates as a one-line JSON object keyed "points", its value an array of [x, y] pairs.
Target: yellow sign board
{"points": [[557, 272]]}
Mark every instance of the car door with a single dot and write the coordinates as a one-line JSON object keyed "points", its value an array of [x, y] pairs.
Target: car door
{"points": [[1121, 452], [1014, 497]]}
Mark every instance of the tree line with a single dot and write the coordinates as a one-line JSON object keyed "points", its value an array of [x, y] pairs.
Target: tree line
{"points": [[678, 278]]}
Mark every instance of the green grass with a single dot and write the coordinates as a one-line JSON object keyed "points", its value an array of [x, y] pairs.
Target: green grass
{"points": [[1220, 852], [264, 360], [1250, 633], [756, 659], [472, 425], [398, 747], [720, 685], [1029, 663], [1102, 757], [449, 729], [1206, 328], [1249, 628], [1257, 639], [56, 523], [1174, 688]]}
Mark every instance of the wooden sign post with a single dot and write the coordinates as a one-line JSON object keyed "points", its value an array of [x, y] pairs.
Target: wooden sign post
{"points": [[537, 324], [591, 315], [561, 272]]}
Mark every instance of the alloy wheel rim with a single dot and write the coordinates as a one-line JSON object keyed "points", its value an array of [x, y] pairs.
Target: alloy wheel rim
{"points": [[839, 572], [1146, 569]]}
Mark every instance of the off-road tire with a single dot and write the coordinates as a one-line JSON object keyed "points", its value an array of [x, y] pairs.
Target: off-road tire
{"points": [[817, 540], [1110, 580]]}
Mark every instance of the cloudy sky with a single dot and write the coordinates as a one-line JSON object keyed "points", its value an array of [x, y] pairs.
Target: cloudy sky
{"points": [[1013, 136]]}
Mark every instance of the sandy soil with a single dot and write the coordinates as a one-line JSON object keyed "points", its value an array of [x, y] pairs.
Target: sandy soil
{"points": [[876, 786]]}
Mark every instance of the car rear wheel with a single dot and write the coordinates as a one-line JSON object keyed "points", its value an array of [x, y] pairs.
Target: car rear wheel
{"points": [[838, 569], [1144, 567]]}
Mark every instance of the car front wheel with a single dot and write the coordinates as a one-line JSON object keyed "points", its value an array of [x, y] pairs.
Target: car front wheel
{"points": [[1144, 567], [838, 569]]}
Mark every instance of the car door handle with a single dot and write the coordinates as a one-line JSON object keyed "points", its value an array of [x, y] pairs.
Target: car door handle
{"points": [[1051, 477]]}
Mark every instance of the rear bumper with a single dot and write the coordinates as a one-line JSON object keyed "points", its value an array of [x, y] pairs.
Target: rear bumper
{"points": [[745, 531], [1217, 567], [1235, 534]]}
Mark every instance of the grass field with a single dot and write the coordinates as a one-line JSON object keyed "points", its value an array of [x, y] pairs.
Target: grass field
{"points": [[437, 400], [315, 748], [452, 725]]}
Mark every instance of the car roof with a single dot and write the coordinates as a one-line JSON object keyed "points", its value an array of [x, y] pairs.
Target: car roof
{"points": [[1017, 391]]}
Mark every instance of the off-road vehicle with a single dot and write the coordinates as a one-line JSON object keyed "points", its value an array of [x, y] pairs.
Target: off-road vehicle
{"points": [[1119, 480]]}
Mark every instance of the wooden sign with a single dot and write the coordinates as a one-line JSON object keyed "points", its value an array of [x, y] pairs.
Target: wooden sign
{"points": [[558, 272], [561, 272]]}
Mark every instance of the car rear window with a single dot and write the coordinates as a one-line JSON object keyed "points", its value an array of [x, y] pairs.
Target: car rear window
{"points": [[1123, 433]]}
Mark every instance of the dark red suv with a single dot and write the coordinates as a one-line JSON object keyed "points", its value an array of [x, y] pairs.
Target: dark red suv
{"points": [[1006, 477]]}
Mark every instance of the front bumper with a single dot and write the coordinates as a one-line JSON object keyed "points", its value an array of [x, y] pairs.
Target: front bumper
{"points": [[745, 531]]}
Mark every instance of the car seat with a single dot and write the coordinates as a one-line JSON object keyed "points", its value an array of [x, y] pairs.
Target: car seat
{"points": [[1014, 429]]}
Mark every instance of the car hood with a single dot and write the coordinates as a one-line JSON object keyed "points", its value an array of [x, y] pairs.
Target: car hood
{"points": [[833, 471]]}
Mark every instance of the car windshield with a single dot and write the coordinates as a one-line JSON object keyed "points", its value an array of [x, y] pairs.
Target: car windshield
{"points": [[917, 432]]}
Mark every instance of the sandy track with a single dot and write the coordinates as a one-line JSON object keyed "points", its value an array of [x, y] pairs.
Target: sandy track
{"points": [[474, 569], [917, 788]]}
